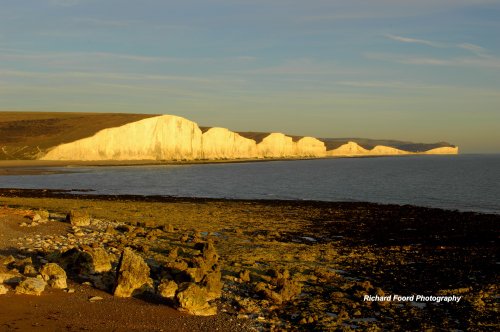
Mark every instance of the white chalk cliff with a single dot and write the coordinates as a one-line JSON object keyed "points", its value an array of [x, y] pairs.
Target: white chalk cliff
{"points": [[169, 137], [443, 150], [165, 137], [381, 150], [221, 143], [348, 149]]}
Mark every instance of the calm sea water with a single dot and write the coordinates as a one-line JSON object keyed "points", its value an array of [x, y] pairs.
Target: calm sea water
{"points": [[463, 182]]}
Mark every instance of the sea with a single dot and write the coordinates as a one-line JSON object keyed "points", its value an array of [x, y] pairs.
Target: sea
{"points": [[465, 182]]}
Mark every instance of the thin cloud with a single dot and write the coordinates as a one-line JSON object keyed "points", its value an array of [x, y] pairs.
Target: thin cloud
{"points": [[113, 76], [473, 48], [380, 84], [415, 41], [476, 49], [479, 62], [54, 57]]}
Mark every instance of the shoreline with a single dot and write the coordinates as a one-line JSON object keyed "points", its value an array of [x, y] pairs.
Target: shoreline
{"points": [[81, 194], [32, 167]]}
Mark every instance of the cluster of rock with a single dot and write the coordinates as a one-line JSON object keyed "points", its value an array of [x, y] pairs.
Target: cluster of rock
{"points": [[169, 137], [38, 217], [112, 258], [25, 278]]}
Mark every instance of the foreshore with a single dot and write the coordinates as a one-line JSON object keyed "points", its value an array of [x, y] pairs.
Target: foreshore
{"points": [[331, 255], [38, 167]]}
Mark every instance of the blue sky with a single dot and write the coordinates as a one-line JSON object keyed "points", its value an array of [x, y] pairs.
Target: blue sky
{"points": [[423, 70]]}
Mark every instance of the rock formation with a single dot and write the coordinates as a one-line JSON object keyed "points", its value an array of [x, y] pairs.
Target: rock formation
{"points": [[132, 276], [192, 299], [54, 275], [31, 286], [78, 218], [169, 137]]}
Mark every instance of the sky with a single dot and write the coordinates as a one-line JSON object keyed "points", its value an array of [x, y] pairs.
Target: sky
{"points": [[413, 70]]}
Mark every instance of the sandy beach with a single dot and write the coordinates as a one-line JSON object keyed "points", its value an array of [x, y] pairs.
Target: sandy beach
{"points": [[332, 253]]}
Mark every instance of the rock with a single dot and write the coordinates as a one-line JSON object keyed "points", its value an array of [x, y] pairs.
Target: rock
{"points": [[193, 300], [22, 263], [36, 218], [210, 254], [78, 218], [132, 275], [95, 260], [177, 266], [8, 260], [10, 278], [245, 276], [95, 298], [3, 290], [167, 288], [196, 274], [44, 215], [31, 286], [54, 275], [213, 284], [30, 271]]}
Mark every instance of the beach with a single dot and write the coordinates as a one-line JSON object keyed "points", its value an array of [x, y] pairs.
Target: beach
{"points": [[328, 255]]}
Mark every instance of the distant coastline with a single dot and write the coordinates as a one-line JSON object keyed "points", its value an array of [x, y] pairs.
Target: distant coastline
{"points": [[169, 138]]}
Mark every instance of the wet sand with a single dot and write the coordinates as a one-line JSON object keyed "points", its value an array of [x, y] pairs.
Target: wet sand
{"points": [[337, 252]]}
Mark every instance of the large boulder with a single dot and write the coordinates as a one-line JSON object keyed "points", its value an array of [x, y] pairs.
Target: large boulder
{"points": [[132, 275], [193, 299], [31, 286], [78, 218], [95, 260], [54, 275], [213, 284]]}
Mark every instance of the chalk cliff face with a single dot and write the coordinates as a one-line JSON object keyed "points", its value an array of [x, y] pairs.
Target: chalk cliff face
{"points": [[443, 150], [348, 149], [170, 137], [221, 143], [277, 145], [381, 150], [310, 147], [165, 137], [354, 149]]}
